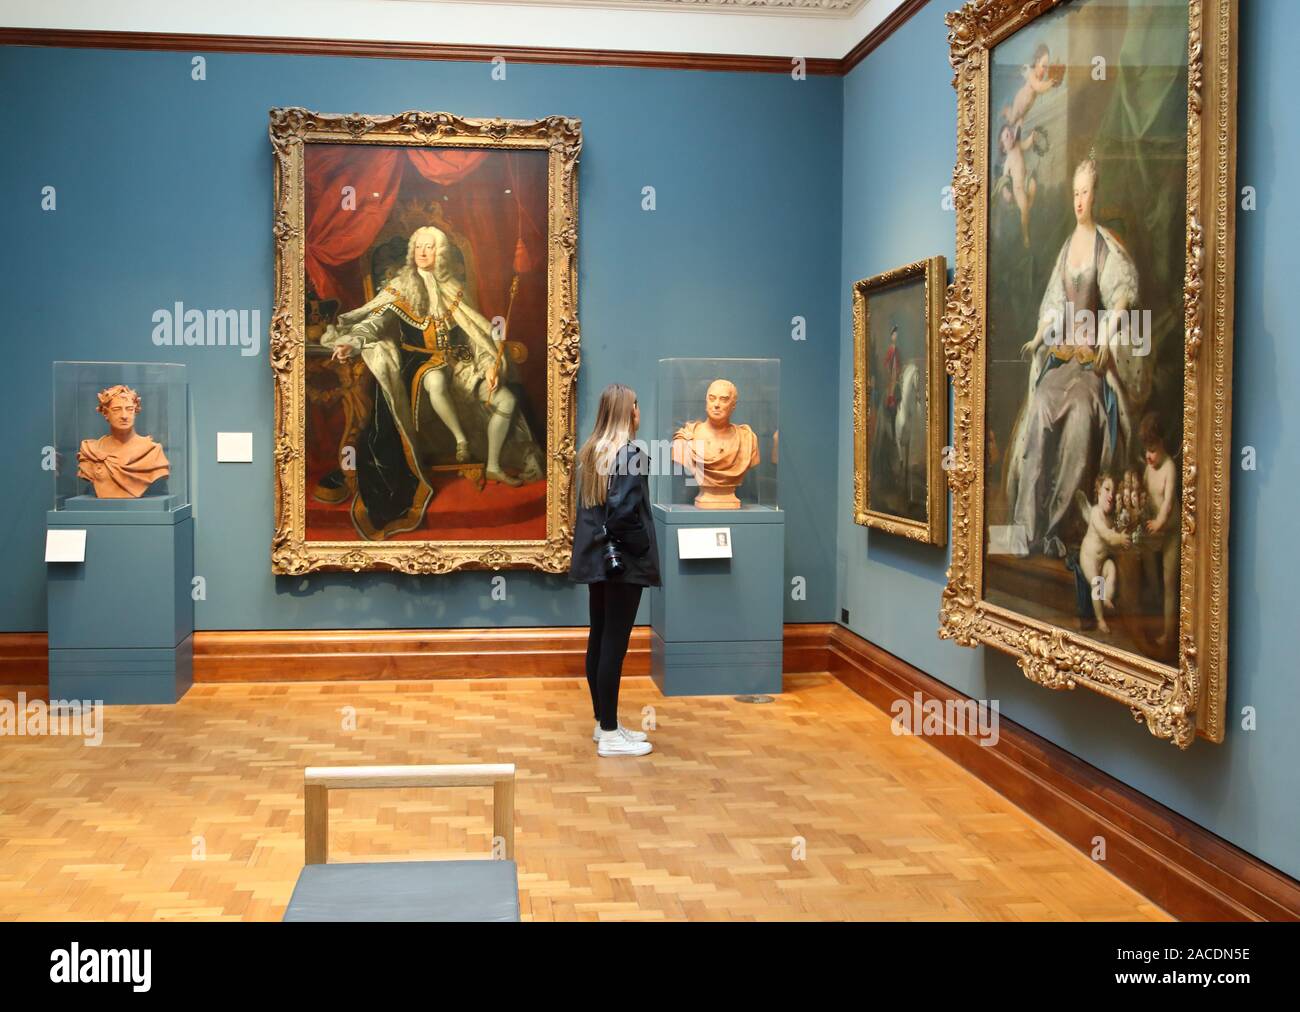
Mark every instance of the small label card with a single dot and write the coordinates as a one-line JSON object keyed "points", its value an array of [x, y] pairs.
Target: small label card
{"points": [[704, 542], [65, 545], [234, 447]]}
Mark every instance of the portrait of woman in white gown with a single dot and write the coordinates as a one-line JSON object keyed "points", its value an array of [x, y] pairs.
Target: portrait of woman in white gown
{"points": [[1084, 382], [1084, 322]]}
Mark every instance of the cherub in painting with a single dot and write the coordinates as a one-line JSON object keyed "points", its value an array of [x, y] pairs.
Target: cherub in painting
{"points": [[1099, 544], [1041, 76], [1017, 183], [1161, 480]]}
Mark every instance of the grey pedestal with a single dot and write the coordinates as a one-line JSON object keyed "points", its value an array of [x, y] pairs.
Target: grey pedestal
{"points": [[121, 624], [716, 624]]}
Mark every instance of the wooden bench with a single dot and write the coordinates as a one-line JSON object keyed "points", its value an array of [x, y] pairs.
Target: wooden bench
{"points": [[406, 890]]}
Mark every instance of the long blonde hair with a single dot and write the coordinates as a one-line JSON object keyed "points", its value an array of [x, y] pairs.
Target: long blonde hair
{"points": [[613, 431]]}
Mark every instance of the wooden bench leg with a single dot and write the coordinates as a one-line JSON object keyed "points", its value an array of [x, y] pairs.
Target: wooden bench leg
{"points": [[503, 815], [316, 827]]}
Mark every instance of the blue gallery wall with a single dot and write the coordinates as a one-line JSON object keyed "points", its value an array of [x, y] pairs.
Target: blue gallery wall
{"points": [[899, 149], [164, 195]]}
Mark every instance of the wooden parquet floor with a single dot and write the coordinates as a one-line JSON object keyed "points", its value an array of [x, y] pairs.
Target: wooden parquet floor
{"points": [[808, 808]]}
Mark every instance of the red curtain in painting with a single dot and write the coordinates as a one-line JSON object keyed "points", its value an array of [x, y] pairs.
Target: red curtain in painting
{"points": [[502, 227]]}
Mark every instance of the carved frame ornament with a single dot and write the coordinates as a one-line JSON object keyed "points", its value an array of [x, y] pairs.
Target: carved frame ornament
{"points": [[934, 529], [1175, 702], [561, 137]]}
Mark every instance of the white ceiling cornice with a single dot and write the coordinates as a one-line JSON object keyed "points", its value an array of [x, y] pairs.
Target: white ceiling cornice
{"points": [[799, 8], [771, 28]]}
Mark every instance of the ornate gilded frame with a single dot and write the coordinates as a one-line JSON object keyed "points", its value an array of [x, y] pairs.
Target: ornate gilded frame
{"points": [[561, 137], [934, 529], [1176, 703]]}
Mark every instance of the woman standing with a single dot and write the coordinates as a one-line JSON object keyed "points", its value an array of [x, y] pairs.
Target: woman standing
{"points": [[615, 554]]}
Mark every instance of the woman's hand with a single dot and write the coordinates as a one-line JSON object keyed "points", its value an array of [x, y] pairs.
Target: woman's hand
{"points": [[342, 352], [1029, 347]]}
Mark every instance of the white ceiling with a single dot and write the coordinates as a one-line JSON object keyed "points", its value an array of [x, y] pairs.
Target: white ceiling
{"points": [[808, 28], [808, 8]]}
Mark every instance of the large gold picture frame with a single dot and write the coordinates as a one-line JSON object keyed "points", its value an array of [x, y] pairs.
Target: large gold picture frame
{"points": [[1176, 701], [560, 141], [930, 277]]}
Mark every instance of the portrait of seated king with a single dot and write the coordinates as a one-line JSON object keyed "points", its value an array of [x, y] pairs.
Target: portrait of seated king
{"points": [[121, 464], [715, 450]]}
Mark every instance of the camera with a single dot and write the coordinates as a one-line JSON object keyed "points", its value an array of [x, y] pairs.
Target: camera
{"points": [[610, 555]]}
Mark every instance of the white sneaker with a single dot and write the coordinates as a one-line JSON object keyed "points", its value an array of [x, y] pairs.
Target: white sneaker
{"points": [[616, 743], [634, 735]]}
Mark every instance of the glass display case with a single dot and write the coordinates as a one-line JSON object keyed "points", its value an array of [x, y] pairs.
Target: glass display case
{"points": [[716, 437], [121, 436]]}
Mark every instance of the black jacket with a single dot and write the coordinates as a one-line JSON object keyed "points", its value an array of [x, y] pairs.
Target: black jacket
{"points": [[630, 523]]}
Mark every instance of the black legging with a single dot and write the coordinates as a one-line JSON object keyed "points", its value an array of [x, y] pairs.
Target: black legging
{"points": [[613, 610]]}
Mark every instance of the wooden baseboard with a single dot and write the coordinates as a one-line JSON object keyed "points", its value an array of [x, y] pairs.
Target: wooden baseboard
{"points": [[306, 655], [24, 659], [396, 654], [1177, 864], [1187, 870]]}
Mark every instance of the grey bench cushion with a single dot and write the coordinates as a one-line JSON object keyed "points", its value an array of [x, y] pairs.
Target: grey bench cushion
{"points": [[406, 891]]}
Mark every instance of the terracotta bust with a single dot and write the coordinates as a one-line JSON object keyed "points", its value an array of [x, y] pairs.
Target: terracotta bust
{"points": [[717, 452], [121, 464]]}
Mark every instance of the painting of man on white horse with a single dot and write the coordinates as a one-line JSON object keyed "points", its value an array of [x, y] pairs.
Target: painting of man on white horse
{"points": [[900, 407], [898, 451]]}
